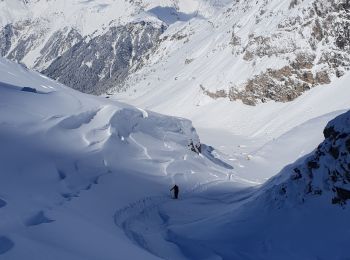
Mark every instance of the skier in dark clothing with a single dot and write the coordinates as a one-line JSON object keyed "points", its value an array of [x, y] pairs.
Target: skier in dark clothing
{"points": [[176, 191]]}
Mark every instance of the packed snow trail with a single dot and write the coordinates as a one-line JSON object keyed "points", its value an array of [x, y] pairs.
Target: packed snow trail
{"points": [[148, 221]]}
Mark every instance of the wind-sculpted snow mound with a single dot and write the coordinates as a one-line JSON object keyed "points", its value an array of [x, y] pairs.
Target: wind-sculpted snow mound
{"points": [[68, 160]]}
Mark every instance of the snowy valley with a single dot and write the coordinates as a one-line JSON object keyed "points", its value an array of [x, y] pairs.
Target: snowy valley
{"points": [[243, 104], [85, 177]]}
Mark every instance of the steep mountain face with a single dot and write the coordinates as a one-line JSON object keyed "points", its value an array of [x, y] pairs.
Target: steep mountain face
{"points": [[253, 51], [98, 64], [325, 173], [86, 45], [19, 41], [316, 32]]}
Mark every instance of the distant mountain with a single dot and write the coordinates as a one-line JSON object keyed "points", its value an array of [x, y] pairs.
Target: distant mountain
{"points": [[191, 58], [252, 51], [89, 45]]}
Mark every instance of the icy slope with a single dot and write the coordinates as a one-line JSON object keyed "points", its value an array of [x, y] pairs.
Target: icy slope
{"points": [[70, 160]]}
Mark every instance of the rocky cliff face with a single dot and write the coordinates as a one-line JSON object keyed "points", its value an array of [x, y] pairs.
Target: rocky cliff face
{"points": [[324, 174], [23, 38], [62, 44], [97, 64], [253, 51], [319, 36], [91, 64]]}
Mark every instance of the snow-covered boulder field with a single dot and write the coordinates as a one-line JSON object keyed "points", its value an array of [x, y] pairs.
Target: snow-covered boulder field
{"points": [[69, 161]]}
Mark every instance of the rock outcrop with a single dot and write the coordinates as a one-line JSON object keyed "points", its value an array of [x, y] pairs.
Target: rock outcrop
{"points": [[325, 173], [322, 50], [95, 65]]}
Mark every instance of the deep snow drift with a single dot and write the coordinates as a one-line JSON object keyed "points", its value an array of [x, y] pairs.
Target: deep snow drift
{"points": [[85, 177], [69, 161]]}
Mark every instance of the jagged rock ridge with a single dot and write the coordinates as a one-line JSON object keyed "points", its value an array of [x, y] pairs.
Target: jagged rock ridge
{"points": [[325, 173]]}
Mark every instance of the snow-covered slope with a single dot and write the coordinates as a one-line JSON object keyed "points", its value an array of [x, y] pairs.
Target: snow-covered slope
{"points": [[195, 59], [252, 51], [108, 36], [302, 213], [70, 160], [85, 177]]}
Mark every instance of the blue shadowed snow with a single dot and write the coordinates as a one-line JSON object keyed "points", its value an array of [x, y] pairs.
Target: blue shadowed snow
{"points": [[170, 15], [38, 219], [2, 203], [6, 245]]}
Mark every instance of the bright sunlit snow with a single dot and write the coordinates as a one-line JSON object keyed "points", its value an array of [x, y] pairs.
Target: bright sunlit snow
{"points": [[83, 177], [87, 177]]}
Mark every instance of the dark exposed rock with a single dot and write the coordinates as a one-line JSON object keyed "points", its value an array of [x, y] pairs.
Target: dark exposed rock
{"points": [[6, 35], [215, 95], [326, 21], [341, 196], [281, 85], [347, 144], [92, 64], [343, 135], [58, 43], [313, 165], [103, 62], [326, 171], [197, 148], [322, 77], [317, 191], [334, 151], [296, 175], [28, 89], [293, 3], [330, 132]]}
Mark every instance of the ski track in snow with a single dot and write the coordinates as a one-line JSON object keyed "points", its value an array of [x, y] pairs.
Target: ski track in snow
{"points": [[129, 217], [41, 218]]}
